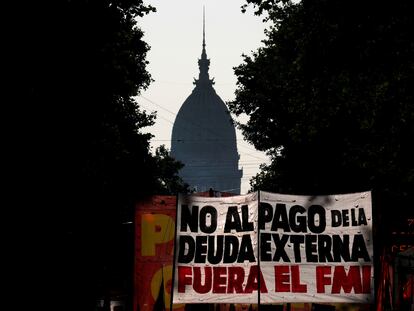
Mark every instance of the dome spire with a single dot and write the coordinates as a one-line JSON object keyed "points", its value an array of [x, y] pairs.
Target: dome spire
{"points": [[204, 32], [204, 62]]}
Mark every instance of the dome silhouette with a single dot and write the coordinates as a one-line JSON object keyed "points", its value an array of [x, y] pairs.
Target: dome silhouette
{"points": [[204, 138]]}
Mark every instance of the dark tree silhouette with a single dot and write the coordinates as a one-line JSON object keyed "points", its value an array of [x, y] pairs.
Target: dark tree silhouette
{"points": [[83, 155], [330, 98]]}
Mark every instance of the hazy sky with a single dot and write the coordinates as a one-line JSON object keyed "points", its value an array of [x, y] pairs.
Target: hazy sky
{"points": [[174, 33]]}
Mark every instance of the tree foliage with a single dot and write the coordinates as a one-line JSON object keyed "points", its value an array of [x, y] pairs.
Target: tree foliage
{"points": [[83, 63], [330, 98], [85, 158]]}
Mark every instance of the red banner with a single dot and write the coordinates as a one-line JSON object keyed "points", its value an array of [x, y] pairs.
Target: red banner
{"points": [[154, 238]]}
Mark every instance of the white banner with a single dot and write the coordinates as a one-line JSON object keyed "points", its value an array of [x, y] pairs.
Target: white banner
{"points": [[216, 250], [316, 249], [312, 249]]}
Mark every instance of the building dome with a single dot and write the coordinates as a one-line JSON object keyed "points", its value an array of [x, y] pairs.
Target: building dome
{"points": [[204, 138]]}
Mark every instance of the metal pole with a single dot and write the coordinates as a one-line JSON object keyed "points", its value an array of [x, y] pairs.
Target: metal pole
{"points": [[258, 252], [174, 253]]}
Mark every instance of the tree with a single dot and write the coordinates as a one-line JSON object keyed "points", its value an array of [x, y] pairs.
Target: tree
{"points": [[330, 99], [83, 155], [167, 167]]}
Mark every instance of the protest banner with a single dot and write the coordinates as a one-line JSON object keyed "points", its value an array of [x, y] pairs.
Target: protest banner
{"points": [[273, 248], [216, 250], [316, 249]]}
